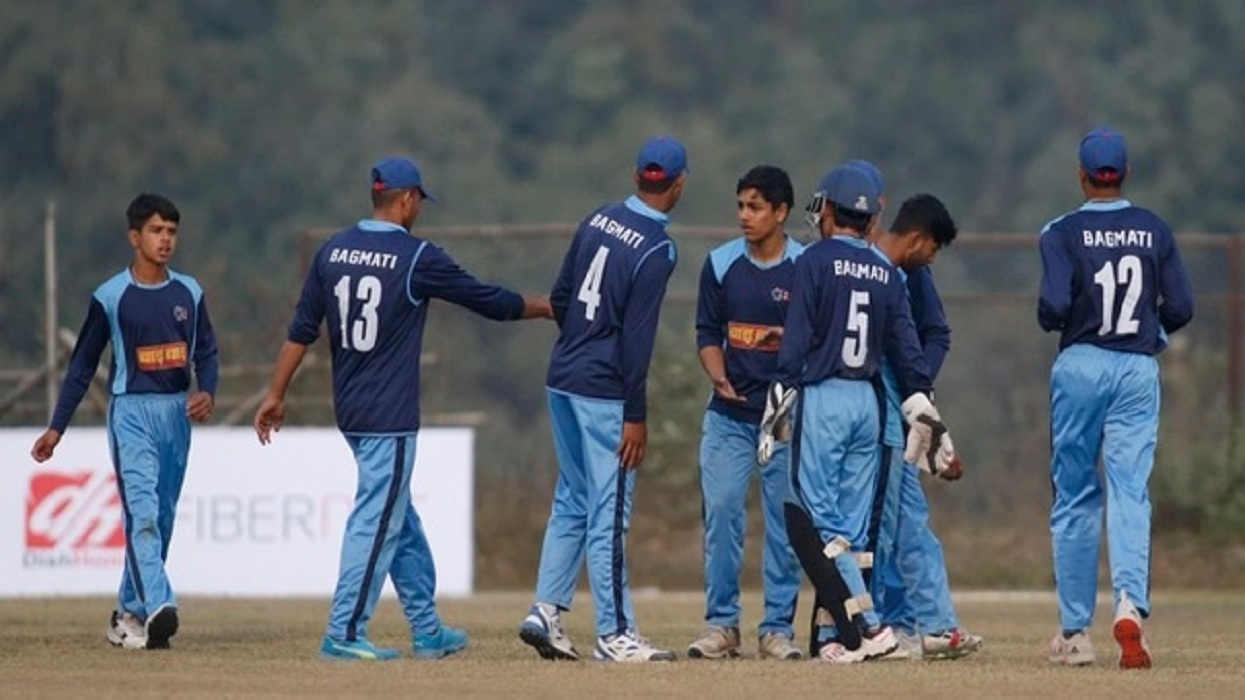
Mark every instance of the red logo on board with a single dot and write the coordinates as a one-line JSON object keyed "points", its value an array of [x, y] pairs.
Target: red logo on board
{"points": [[72, 511]]}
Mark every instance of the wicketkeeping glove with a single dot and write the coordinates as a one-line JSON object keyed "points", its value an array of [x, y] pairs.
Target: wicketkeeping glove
{"points": [[929, 444], [776, 421]]}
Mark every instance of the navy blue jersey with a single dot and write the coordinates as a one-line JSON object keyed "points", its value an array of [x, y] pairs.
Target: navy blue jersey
{"points": [[934, 334], [606, 301], [157, 332], [930, 318], [849, 310], [741, 301], [1112, 277], [372, 284]]}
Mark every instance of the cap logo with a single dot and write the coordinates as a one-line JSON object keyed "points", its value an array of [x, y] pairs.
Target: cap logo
{"points": [[862, 203]]}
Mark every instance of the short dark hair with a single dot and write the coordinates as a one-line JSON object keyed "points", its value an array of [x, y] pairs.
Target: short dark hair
{"points": [[648, 186], [925, 213], [384, 198], [147, 205], [1106, 178], [857, 221], [771, 182]]}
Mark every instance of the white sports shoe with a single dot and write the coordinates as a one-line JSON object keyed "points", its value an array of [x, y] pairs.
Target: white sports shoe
{"points": [[715, 643], [542, 629], [881, 644], [629, 647], [1134, 651], [1072, 651], [127, 631]]}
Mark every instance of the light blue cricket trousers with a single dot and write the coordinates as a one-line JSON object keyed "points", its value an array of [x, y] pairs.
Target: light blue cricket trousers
{"points": [[727, 463], [835, 467], [149, 438], [384, 537], [910, 587], [591, 511], [1102, 402]]}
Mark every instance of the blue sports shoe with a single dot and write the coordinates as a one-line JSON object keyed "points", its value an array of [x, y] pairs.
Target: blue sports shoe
{"points": [[447, 640], [358, 650]]}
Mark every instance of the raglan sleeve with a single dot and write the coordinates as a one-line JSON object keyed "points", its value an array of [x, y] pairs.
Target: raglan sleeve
{"points": [[930, 318], [309, 312], [639, 327], [709, 317], [1175, 289], [437, 275], [207, 363], [1055, 297], [92, 339], [797, 331]]}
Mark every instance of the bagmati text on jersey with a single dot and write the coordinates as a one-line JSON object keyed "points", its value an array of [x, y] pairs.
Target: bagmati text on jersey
{"points": [[859, 270], [623, 233], [366, 258], [1131, 238]]}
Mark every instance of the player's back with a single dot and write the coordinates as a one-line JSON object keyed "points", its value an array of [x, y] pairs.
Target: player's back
{"points": [[844, 297], [593, 293], [1118, 256], [363, 279]]}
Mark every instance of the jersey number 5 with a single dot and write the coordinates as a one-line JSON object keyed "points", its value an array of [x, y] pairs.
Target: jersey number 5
{"points": [[856, 347], [359, 334], [590, 290], [1110, 278]]}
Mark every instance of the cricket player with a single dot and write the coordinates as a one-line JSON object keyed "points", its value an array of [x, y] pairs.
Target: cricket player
{"points": [[606, 301], [1114, 287], [848, 310], [910, 586], [745, 286], [157, 322], [372, 283]]}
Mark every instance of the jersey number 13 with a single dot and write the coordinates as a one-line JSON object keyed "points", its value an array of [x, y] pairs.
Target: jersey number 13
{"points": [[360, 333]]}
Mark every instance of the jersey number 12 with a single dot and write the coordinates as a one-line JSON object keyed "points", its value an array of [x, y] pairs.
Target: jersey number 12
{"points": [[1111, 278], [359, 334]]}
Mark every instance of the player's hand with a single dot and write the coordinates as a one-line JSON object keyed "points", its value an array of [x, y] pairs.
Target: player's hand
{"points": [[726, 391], [45, 445], [954, 471], [634, 440], [537, 307], [929, 444], [268, 418], [199, 406]]}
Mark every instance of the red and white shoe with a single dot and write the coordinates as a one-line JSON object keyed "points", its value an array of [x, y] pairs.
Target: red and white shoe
{"points": [[1134, 652]]}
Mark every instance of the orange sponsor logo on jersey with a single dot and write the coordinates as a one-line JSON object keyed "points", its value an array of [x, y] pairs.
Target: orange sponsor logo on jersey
{"points": [[753, 336], [157, 357]]}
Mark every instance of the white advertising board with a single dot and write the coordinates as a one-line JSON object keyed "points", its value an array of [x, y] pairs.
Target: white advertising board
{"points": [[252, 520]]}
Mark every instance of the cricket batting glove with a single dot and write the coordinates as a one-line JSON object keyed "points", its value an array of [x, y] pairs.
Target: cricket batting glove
{"points": [[929, 444], [776, 421]]}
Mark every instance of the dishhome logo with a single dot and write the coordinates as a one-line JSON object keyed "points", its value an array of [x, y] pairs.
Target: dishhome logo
{"points": [[73, 519]]}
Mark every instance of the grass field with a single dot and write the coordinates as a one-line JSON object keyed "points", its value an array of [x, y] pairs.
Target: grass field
{"points": [[55, 648]]}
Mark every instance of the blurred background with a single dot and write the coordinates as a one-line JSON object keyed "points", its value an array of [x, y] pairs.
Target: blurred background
{"points": [[261, 119]]}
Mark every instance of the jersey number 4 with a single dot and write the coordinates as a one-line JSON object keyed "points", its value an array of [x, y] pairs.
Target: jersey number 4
{"points": [[359, 334], [590, 290], [1111, 277]]}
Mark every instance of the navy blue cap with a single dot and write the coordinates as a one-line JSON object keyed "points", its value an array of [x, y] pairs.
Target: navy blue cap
{"points": [[661, 158], [873, 171], [1103, 149], [852, 189], [398, 174]]}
